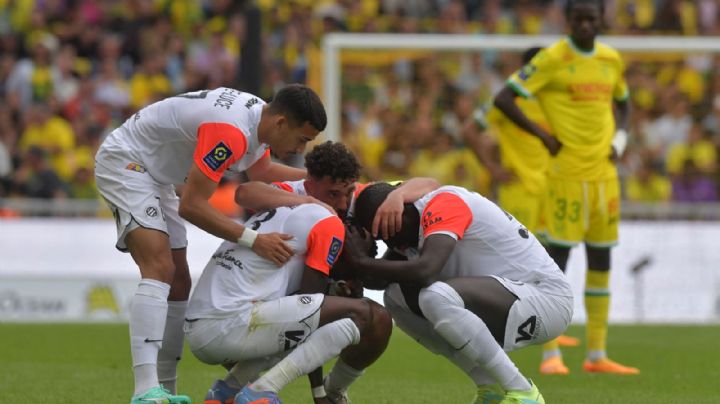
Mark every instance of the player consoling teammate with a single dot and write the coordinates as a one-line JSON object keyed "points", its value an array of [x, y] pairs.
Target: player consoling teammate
{"points": [[579, 83], [191, 139], [467, 281]]}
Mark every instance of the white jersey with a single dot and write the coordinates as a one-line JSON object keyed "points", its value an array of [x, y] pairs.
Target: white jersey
{"points": [[491, 242], [216, 129], [236, 276]]}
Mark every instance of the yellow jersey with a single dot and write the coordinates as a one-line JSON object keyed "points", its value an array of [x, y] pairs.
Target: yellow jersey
{"points": [[576, 90], [521, 152]]}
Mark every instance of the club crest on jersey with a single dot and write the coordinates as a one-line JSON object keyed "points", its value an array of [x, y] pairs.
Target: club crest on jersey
{"points": [[135, 167], [217, 156], [335, 247], [526, 72]]}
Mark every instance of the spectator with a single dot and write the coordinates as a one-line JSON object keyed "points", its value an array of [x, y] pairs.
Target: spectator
{"points": [[35, 179], [692, 185]]}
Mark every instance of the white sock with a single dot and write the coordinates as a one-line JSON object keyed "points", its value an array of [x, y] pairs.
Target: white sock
{"points": [[468, 334], [341, 377], [148, 310], [596, 355], [422, 331], [319, 347], [551, 353], [246, 371], [172, 346]]}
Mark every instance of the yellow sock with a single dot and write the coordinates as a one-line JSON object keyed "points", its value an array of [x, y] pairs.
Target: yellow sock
{"points": [[597, 307], [551, 349]]}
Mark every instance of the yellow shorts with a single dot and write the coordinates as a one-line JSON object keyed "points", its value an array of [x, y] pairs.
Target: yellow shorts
{"points": [[526, 207], [582, 211]]}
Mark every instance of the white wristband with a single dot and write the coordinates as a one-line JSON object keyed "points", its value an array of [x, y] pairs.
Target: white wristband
{"points": [[318, 392], [619, 142], [247, 238]]}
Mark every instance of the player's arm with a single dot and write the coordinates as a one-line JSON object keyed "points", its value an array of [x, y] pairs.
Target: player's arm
{"points": [[475, 134], [219, 146], [266, 170], [196, 209], [525, 82], [505, 102], [435, 252], [256, 195], [620, 139], [388, 218]]}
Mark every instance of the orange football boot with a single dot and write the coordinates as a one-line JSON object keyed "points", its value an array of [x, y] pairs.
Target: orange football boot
{"points": [[605, 365]]}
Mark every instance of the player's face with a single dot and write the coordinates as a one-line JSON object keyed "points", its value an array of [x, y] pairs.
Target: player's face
{"points": [[585, 22], [289, 139], [337, 194]]}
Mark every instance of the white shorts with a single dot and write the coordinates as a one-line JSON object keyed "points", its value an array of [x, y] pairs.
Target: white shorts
{"points": [[536, 316], [136, 200], [265, 329]]}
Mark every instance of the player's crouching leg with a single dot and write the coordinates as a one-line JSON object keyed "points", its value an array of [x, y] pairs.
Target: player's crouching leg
{"points": [[356, 329], [354, 359]]}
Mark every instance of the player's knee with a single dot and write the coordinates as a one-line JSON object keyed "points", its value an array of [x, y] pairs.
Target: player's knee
{"points": [[381, 321], [598, 259], [160, 268], [436, 295], [361, 314]]}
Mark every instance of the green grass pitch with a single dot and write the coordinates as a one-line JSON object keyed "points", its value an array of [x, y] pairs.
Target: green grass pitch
{"points": [[77, 364]]}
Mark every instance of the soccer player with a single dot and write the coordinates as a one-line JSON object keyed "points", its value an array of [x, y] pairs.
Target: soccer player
{"points": [[246, 311], [576, 81], [191, 138], [332, 174], [329, 166], [469, 283]]}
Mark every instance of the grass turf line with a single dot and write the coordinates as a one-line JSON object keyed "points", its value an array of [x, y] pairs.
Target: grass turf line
{"points": [[82, 363]]}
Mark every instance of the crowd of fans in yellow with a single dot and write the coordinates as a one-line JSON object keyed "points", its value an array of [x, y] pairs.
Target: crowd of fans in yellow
{"points": [[72, 70]]}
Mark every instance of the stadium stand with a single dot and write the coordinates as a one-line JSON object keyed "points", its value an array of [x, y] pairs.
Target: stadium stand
{"points": [[70, 71]]}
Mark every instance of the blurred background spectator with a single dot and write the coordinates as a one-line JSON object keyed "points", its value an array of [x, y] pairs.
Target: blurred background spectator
{"points": [[71, 70]]}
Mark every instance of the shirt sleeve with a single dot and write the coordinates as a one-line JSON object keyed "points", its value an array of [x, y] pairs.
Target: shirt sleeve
{"points": [[621, 91], [533, 76], [446, 213], [283, 185], [324, 244], [219, 146]]}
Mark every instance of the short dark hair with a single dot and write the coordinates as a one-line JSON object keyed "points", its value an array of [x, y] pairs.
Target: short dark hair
{"points": [[530, 53], [300, 104], [570, 3], [368, 202], [334, 160]]}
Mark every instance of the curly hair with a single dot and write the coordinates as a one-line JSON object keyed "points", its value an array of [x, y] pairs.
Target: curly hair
{"points": [[334, 160]]}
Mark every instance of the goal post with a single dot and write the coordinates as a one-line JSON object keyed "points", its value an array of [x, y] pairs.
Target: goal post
{"points": [[335, 43]]}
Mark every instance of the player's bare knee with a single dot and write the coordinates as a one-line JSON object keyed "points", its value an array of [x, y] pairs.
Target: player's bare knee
{"points": [[381, 321], [361, 314]]}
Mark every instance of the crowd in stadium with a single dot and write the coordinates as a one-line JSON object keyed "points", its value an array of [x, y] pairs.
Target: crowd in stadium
{"points": [[71, 71]]}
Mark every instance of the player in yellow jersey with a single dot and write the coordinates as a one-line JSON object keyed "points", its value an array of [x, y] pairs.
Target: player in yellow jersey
{"points": [[577, 81], [520, 172]]}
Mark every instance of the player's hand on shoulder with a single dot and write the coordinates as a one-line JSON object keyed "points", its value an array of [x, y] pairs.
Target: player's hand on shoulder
{"points": [[272, 246], [388, 218]]}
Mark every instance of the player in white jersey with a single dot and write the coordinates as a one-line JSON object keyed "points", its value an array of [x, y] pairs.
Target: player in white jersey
{"points": [[328, 165], [191, 138], [332, 174], [244, 310], [474, 284]]}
